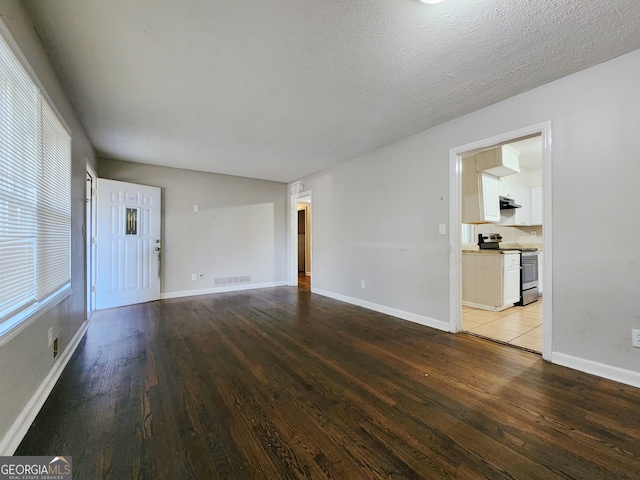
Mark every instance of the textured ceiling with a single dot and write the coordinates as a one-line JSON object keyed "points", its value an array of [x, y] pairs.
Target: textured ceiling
{"points": [[280, 89]]}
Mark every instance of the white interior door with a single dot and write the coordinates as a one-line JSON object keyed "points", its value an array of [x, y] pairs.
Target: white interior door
{"points": [[128, 244]]}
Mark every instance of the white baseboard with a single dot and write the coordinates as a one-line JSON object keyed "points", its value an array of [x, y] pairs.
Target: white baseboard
{"points": [[228, 288], [621, 375], [412, 317], [485, 307], [20, 427]]}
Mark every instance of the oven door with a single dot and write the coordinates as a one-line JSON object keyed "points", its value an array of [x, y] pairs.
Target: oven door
{"points": [[529, 270]]}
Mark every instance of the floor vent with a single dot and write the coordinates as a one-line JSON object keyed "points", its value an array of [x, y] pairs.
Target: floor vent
{"points": [[222, 281]]}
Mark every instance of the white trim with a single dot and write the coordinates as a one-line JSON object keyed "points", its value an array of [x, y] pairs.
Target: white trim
{"points": [[307, 239], [89, 232], [20, 427], [229, 288], [10, 328], [488, 308], [547, 246], [90, 168], [455, 240], [617, 374], [412, 317], [455, 220]]}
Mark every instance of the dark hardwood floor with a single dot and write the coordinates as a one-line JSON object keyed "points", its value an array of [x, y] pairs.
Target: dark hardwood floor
{"points": [[280, 383]]}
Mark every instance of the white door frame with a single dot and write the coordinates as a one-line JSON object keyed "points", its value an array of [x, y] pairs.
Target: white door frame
{"points": [[296, 191], [90, 243], [455, 222]]}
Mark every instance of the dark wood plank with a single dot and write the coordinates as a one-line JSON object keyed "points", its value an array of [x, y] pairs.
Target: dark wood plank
{"points": [[281, 383]]}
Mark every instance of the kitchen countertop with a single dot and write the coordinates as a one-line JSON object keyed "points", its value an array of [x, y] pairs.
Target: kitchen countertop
{"points": [[537, 246], [470, 248], [491, 252]]}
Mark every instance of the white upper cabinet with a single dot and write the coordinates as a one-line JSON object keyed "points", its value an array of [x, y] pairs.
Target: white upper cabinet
{"points": [[536, 205], [490, 197], [499, 162], [480, 195], [506, 189]]}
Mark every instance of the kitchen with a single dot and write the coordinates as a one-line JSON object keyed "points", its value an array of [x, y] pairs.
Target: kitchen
{"points": [[502, 280]]}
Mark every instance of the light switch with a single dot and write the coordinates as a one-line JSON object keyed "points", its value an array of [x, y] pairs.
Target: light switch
{"points": [[195, 208], [442, 229]]}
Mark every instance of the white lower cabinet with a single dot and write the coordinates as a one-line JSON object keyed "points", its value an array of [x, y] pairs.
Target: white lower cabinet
{"points": [[510, 279], [490, 281]]}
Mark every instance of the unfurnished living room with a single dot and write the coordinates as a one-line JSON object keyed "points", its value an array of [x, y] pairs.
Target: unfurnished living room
{"points": [[324, 240]]}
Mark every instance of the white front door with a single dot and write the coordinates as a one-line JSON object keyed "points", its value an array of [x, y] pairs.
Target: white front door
{"points": [[128, 244]]}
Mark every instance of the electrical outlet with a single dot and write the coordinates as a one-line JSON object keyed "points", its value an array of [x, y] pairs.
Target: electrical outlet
{"points": [[196, 208], [193, 276], [361, 283], [635, 337]]}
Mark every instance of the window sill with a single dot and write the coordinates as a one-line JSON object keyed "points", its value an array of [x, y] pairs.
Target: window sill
{"points": [[10, 328]]}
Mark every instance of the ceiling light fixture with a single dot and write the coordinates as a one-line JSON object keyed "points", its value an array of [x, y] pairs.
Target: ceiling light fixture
{"points": [[431, 2]]}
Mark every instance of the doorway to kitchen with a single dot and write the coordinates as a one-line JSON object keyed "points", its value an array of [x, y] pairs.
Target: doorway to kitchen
{"points": [[300, 236], [304, 243], [497, 211]]}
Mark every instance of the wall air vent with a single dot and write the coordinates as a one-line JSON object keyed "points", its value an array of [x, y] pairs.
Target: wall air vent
{"points": [[224, 281]]}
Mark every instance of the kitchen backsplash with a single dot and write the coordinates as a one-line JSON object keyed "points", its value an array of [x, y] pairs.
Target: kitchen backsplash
{"points": [[520, 235]]}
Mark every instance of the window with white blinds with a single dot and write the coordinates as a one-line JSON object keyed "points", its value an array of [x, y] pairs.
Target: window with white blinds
{"points": [[35, 194]]}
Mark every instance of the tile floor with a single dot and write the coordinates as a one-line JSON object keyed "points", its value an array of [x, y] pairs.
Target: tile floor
{"points": [[520, 326]]}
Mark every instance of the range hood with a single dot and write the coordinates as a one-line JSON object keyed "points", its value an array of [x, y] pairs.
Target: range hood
{"points": [[507, 203]]}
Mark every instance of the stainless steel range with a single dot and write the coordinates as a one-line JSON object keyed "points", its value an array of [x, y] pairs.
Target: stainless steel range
{"points": [[529, 292], [528, 276]]}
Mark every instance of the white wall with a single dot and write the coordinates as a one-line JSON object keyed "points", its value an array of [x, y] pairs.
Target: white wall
{"points": [[239, 229], [27, 360], [391, 241]]}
